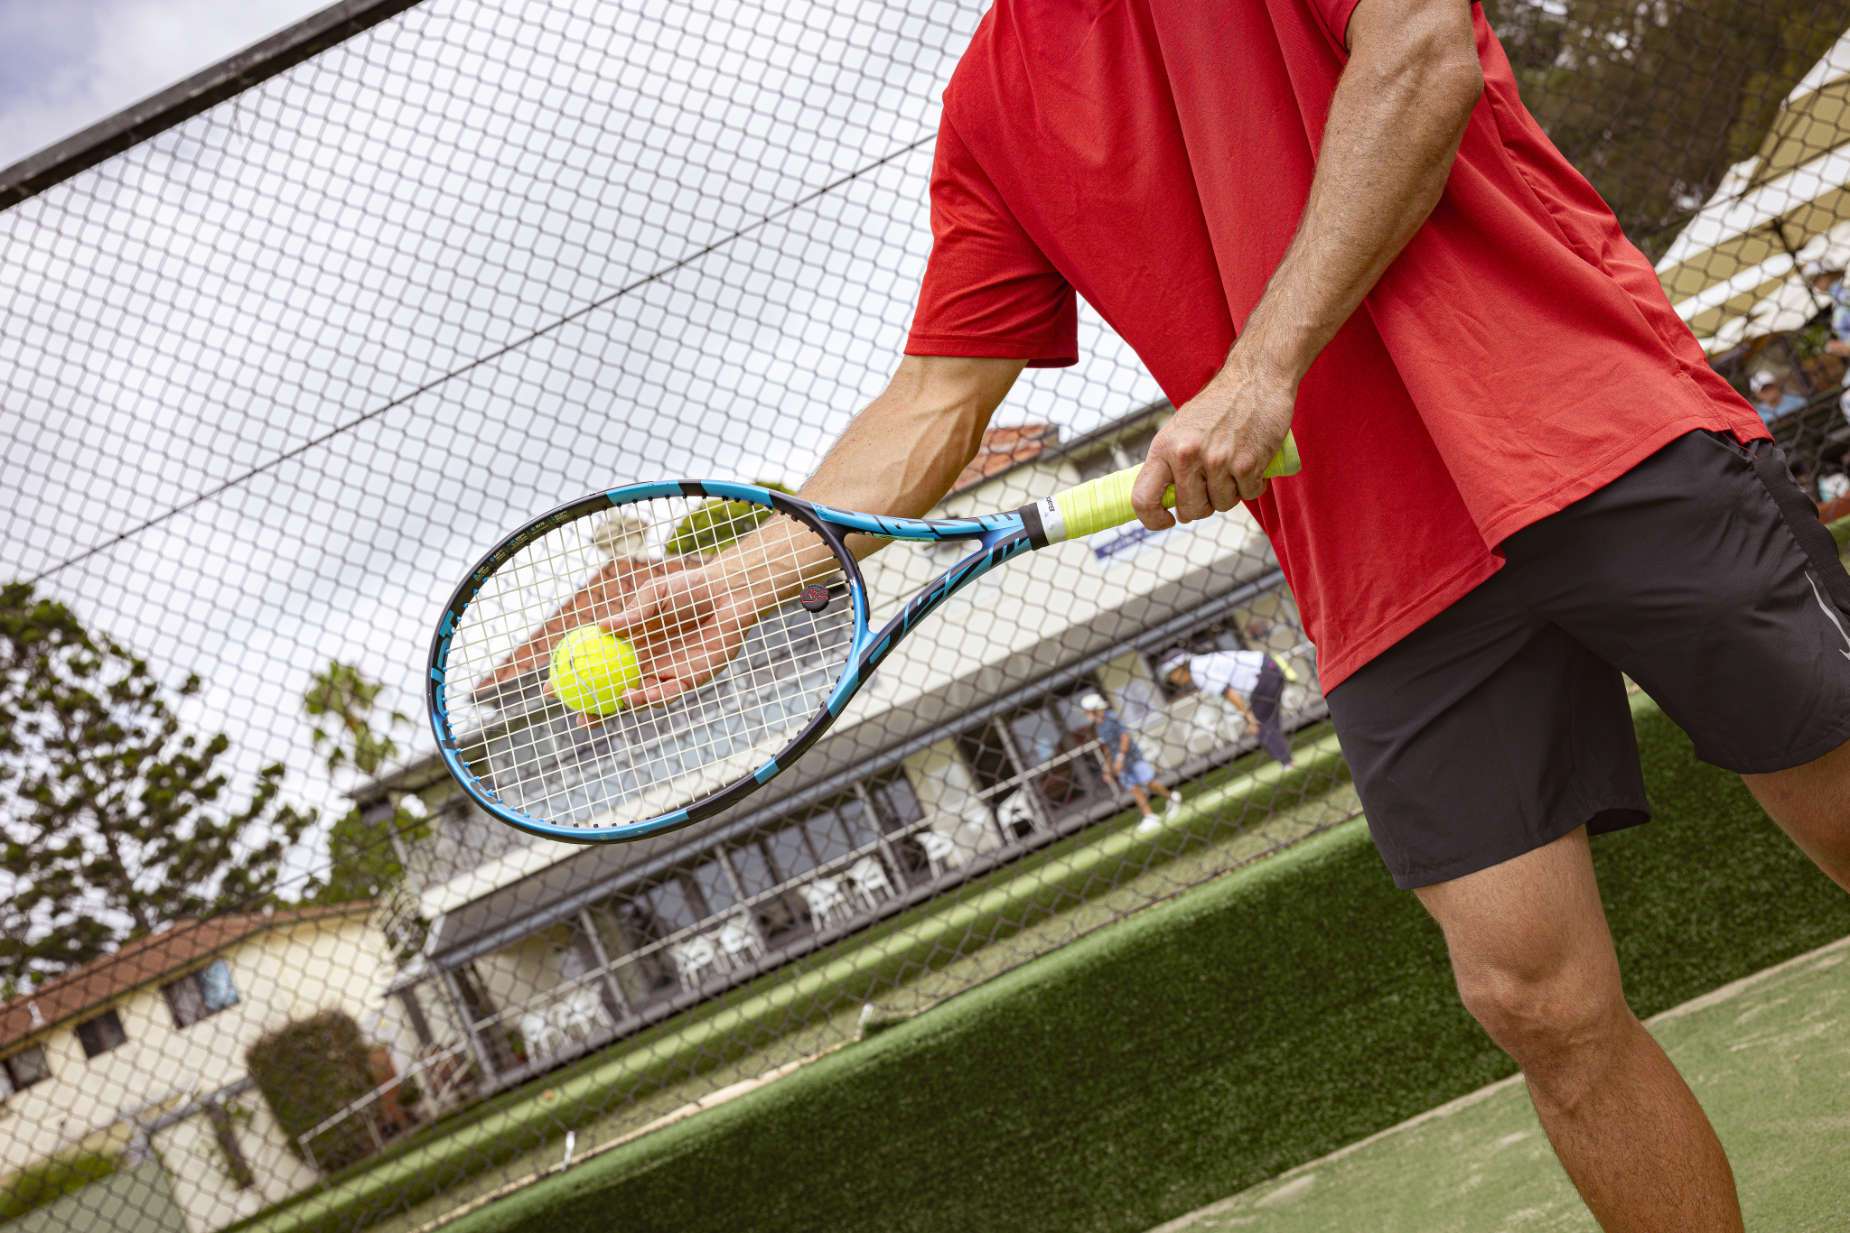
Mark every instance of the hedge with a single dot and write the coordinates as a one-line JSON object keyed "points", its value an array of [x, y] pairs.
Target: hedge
{"points": [[308, 1071], [1192, 1051], [50, 1180]]}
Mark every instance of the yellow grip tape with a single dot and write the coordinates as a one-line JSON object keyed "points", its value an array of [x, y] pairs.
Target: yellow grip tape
{"points": [[1106, 502]]}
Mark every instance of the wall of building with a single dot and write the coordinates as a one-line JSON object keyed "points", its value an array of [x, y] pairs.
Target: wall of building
{"points": [[202, 1183], [280, 975]]}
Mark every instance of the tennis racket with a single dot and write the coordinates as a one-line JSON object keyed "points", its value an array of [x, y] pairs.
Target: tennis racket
{"points": [[748, 618]]}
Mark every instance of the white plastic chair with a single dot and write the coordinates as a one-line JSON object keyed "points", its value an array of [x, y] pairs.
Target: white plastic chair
{"points": [[869, 878], [539, 1035], [938, 849], [1015, 814], [581, 1015], [737, 939], [825, 901], [693, 957]]}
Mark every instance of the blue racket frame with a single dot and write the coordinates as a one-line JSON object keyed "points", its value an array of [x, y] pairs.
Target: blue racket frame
{"points": [[997, 537]]}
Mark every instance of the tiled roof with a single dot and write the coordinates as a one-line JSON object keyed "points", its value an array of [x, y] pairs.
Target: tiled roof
{"points": [[1002, 447], [142, 960], [605, 595]]}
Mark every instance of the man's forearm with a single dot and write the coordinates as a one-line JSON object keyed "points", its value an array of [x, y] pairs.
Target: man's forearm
{"points": [[1395, 122], [903, 452], [899, 456]]}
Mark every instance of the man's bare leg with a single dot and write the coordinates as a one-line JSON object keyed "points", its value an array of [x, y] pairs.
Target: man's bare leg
{"points": [[1143, 801], [1535, 965], [1811, 803]]}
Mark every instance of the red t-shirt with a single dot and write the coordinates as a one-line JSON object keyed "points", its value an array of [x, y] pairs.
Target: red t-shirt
{"points": [[1155, 157]]}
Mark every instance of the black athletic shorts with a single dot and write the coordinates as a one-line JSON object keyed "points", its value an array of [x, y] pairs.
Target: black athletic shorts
{"points": [[1502, 723]]}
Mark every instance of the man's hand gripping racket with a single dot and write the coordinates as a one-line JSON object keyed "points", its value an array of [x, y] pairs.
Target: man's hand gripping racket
{"points": [[645, 657]]}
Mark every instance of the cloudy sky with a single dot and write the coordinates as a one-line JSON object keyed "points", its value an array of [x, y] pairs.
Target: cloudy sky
{"points": [[279, 374], [66, 66]]}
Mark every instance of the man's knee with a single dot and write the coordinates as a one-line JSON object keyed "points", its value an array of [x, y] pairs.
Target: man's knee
{"points": [[1555, 1024]]}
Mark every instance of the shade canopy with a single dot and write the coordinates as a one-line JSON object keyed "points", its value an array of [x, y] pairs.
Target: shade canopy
{"points": [[1734, 271]]}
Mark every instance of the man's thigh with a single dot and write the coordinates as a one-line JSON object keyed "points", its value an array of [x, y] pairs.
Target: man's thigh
{"points": [[1528, 939], [1483, 735]]}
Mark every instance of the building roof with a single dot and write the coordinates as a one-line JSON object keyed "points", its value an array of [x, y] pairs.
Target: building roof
{"points": [[1004, 446], [606, 593], [143, 960]]}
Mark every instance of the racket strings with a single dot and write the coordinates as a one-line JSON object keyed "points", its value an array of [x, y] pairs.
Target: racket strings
{"points": [[540, 756]]}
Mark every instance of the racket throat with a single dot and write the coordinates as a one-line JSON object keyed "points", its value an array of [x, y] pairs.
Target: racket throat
{"points": [[1043, 522]]}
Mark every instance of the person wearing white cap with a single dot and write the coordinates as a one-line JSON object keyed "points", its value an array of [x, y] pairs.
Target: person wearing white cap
{"points": [[1771, 397], [1827, 279], [1252, 681], [1125, 762]]}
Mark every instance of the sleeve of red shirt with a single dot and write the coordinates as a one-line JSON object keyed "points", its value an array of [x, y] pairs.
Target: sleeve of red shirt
{"points": [[989, 290], [1335, 15]]}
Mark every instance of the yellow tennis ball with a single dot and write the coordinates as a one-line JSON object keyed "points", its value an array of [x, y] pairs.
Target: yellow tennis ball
{"points": [[592, 669]]}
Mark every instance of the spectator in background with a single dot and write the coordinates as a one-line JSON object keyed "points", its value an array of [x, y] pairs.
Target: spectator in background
{"points": [[1126, 763], [1771, 397], [1828, 281], [1252, 680]]}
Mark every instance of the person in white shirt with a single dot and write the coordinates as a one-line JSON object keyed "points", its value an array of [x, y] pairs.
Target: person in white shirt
{"points": [[1252, 680]]}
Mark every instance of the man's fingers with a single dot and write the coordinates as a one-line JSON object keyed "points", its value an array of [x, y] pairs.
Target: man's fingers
{"points": [[1147, 494], [1223, 488], [639, 613], [1249, 474], [684, 661], [1191, 494]]}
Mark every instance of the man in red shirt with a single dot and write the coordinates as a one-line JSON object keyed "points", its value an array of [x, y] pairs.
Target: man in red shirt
{"points": [[1520, 480]]}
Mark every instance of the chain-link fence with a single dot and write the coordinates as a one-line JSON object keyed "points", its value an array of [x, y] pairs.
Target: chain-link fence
{"points": [[284, 350]]}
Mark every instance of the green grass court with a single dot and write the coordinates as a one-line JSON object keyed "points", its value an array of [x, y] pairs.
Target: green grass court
{"points": [[1768, 1057]]}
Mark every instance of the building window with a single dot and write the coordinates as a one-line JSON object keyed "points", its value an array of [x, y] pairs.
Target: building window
{"points": [[198, 995], [102, 1033], [1035, 761], [895, 802], [23, 1069]]}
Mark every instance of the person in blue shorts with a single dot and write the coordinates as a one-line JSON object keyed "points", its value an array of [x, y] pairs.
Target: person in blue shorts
{"points": [[1126, 763]]}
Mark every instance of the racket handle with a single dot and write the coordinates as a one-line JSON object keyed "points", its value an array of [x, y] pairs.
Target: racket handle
{"points": [[1099, 504]]}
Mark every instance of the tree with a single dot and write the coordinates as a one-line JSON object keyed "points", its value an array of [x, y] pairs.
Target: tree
{"points": [[114, 821], [1653, 100], [717, 523], [354, 735]]}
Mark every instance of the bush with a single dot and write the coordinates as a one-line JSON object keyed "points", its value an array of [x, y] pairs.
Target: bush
{"points": [[716, 524], [308, 1071], [51, 1179]]}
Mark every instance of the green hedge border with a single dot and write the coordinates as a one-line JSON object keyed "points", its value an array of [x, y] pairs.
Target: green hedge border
{"points": [[1192, 1051]]}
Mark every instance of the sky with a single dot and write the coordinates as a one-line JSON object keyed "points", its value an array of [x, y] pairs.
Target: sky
{"points": [[276, 376], [63, 67]]}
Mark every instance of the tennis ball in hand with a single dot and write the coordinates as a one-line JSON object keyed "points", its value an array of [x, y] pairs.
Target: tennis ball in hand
{"points": [[592, 669]]}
